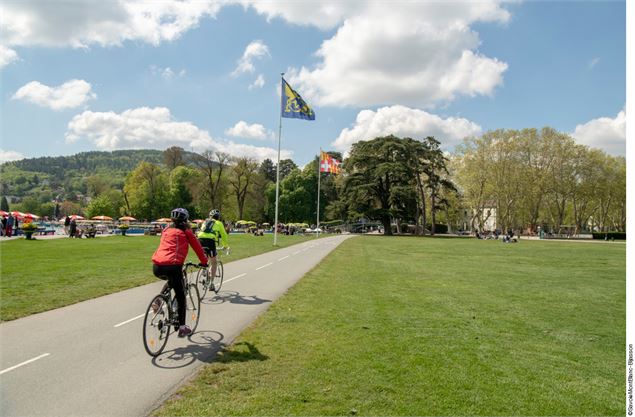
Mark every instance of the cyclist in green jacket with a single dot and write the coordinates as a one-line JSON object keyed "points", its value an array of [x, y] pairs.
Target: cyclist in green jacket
{"points": [[211, 233]]}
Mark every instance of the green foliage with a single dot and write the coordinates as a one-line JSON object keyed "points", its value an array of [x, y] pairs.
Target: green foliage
{"points": [[378, 180], [183, 181], [102, 206], [147, 190], [268, 170], [540, 177], [287, 166]]}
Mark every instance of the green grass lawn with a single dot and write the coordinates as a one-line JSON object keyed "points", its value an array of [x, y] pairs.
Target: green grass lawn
{"points": [[39, 275], [425, 326]]}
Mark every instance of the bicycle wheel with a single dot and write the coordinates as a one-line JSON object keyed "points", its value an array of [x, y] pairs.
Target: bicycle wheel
{"points": [[156, 326], [218, 278], [202, 282], [192, 307]]}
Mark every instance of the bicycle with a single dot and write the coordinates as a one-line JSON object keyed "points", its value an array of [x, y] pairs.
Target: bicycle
{"points": [[162, 314], [203, 281]]}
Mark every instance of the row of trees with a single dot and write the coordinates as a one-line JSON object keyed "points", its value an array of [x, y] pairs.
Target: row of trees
{"points": [[526, 178], [542, 178]]}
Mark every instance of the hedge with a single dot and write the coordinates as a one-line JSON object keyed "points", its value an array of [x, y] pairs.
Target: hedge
{"points": [[609, 235]]}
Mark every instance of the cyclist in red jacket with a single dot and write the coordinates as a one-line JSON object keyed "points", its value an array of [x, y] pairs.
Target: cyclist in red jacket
{"points": [[168, 260]]}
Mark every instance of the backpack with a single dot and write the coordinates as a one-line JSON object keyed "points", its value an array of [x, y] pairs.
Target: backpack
{"points": [[207, 227]]}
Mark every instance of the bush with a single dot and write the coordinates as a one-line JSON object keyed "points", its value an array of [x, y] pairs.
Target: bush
{"points": [[609, 235]]}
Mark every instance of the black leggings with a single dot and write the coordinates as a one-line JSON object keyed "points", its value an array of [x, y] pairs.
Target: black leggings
{"points": [[174, 275]]}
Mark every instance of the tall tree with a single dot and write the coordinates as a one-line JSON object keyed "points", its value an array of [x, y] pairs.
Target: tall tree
{"points": [[286, 167], [243, 174], [4, 203], [146, 190], [268, 170], [173, 157], [213, 165], [376, 177], [182, 182], [101, 206]]}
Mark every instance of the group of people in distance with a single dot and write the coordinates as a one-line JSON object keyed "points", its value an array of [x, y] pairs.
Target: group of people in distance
{"points": [[168, 259], [507, 238], [71, 229], [8, 225]]}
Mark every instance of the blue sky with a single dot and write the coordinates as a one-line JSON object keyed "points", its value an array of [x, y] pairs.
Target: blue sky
{"points": [[86, 75]]}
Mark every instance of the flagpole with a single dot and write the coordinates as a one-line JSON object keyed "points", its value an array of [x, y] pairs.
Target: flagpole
{"points": [[275, 227], [317, 233]]}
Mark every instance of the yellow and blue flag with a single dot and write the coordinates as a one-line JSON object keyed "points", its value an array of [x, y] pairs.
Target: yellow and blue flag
{"points": [[293, 105]]}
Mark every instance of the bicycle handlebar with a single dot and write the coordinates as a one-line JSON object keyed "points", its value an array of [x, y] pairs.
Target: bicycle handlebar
{"points": [[227, 249], [193, 264]]}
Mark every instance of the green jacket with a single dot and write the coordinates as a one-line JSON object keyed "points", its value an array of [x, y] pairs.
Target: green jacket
{"points": [[217, 232]]}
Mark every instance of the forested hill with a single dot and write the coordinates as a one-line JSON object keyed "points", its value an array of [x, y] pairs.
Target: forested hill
{"points": [[88, 162], [49, 176]]}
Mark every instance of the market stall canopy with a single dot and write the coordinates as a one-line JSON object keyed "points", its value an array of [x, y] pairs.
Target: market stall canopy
{"points": [[3, 213], [198, 221], [127, 218], [101, 218], [31, 216], [76, 217], [17, 214], [164, 220], [241, 222]]}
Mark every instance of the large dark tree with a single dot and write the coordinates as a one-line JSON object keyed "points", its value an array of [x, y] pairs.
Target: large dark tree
{"points": [[268, 170], [377, 178]]}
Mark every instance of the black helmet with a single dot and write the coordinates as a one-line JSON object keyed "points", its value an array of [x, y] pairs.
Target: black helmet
{"points": [[214, 214], [179, 215]]}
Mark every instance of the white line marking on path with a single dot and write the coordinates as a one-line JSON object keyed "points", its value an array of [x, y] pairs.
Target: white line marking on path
{"points": [[283, 258], [264, 266], [24, 363], [295, 253], [236, 277], [128, 321]]}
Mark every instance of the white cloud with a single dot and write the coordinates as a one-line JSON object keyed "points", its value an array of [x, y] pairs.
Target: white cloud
{"points": [[258, 83], [255, 50], [154, 128], [254, 131], [420, 53], [322, 14], [82, 23], [593, 63], [6, 156], [260, 153], [7, 56], [608, 134], [405, 122], [166, 73], [71, 94]]}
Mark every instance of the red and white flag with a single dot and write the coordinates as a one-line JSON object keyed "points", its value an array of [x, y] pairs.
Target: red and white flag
{"points": [[329, 164]]}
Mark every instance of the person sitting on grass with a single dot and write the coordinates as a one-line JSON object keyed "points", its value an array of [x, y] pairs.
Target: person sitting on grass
{"points": [[168, 259]]}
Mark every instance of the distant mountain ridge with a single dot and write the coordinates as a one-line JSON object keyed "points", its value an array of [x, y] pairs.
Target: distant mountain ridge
{"points": [[32, 176], [92, 161]]}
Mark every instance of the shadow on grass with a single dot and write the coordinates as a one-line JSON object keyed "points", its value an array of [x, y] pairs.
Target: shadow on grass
{"points": [[234, 297], [241, 352], [208, 347]]}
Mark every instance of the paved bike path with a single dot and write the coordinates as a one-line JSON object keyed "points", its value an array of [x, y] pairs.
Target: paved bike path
{"points": [[88, 359]]}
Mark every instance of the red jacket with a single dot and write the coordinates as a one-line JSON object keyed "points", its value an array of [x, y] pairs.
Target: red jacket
{"points": [[174, 246]]}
